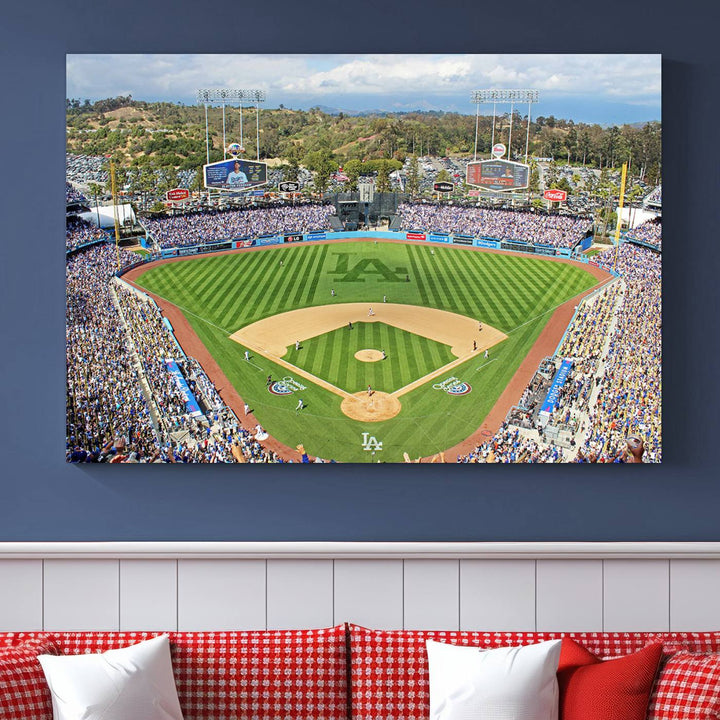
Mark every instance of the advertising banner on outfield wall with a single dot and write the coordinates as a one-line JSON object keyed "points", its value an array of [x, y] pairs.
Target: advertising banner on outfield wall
{"points": [[415, 236], [483, 242], [295, 237], [316, 236], [237, 244], [543, 249], [269, 240], [439, 237], [462, 240]]}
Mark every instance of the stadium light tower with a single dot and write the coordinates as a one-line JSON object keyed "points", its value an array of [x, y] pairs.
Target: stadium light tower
{"points": [[496, 96], [230, 96]]}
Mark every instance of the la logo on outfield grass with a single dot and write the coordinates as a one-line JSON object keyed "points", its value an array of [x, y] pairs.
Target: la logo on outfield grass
{"points": [[370, 442]]}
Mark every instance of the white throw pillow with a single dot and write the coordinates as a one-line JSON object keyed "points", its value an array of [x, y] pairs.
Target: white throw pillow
{"points": [[513, 683], [132, 683]]}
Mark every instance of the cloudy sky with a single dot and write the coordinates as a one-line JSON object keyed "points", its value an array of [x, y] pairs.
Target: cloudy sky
{"points": [[605, 89]]}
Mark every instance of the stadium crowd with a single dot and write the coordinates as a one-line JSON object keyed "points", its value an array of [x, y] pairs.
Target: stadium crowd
{"points": [[108, 418], [508, 445], [72, 195], [205, 227], [629, 398], [648, 232], [654, 197], [556, 230], [614, 389], [80, 232]]}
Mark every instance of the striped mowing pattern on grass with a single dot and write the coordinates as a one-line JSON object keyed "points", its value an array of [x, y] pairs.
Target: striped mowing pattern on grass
{"points": [[233, 290], [221, 294], [332, 357]]}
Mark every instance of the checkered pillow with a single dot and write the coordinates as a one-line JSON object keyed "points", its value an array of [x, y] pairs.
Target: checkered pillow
{"points": [[389, 669], [24, 692], [687, 688], [254, 675], [689, 642]]}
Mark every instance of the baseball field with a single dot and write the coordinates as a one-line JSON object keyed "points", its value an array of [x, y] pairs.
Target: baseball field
{"points": [[375, 349]]}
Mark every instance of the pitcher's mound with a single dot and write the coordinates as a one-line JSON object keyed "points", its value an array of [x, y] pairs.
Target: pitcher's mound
{"points": [[368, 355], [379, 406]]}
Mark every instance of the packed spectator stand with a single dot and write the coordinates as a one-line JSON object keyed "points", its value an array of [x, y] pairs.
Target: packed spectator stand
{"points": [[561, 231], [654, 197], [79, 232], [115, 345], [205, 227], [649, 232], [614, 389], [74, 196]]}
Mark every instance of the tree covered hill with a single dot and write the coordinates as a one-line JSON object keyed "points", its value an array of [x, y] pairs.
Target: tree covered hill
{"points": [[162, 134]]}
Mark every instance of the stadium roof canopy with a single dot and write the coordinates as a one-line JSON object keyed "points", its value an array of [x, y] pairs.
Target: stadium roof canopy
{"points": [[106, 217]]}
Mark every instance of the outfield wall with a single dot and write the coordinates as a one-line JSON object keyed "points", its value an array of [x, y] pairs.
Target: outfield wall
{"points": [[410, 235]]}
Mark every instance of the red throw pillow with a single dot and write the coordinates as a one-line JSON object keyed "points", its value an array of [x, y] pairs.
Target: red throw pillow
{"points": [[616, 689], [24, 692]]}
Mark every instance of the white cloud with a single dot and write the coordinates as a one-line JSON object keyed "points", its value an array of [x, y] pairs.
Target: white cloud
{"points": [[631, 78]]}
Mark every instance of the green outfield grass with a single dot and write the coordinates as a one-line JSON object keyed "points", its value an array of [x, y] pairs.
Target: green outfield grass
{"points": [[332, 357], [221, 294]]}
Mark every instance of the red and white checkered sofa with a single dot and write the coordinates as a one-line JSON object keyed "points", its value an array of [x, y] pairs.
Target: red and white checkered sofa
{"points": [[345, 672], [389, 669]]}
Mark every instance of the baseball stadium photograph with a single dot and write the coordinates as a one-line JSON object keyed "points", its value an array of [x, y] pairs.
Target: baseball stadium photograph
{"points": [[363, 258]]}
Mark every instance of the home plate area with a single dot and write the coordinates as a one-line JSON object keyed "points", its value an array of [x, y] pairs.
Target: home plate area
{"points": [[370, 357]]}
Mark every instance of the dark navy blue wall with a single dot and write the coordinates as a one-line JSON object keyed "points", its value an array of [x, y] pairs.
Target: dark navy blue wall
{"points": [[42, 499]]}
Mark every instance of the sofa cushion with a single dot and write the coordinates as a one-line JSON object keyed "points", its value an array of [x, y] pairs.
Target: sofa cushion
{"points": [[389, 670], [135, 681], [243, 675], [499, 684], [24, 692], [691, 642], [619, 688], [688, 687]]}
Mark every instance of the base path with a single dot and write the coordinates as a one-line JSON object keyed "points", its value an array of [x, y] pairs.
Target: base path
{"points": [[272, 336]]}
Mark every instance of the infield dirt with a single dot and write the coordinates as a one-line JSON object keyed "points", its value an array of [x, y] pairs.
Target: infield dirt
{"points": [[272, 336]]}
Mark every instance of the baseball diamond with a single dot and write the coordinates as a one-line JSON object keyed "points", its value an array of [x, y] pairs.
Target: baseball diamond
{"points": [[432, 311]]}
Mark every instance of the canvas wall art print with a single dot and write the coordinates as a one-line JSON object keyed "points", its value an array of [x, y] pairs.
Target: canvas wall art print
{"points": [[363, 258]]}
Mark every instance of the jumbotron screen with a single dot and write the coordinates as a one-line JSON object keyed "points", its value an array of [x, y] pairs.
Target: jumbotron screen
{"points": [[234, 174], [498, 175]]}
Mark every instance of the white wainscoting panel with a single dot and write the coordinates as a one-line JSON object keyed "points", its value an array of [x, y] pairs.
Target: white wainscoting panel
{"points": [[299, 594], [497, 595], [148, 595], [369, 593], [82, 594], [570, 595], [221, 594], [431, 595], [473, 586], [694, 595], [636, 595], [21, 595]]}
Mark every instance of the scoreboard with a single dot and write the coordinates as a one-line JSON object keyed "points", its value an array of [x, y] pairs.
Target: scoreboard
{"points": [[498, 175], [235, 174]]}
